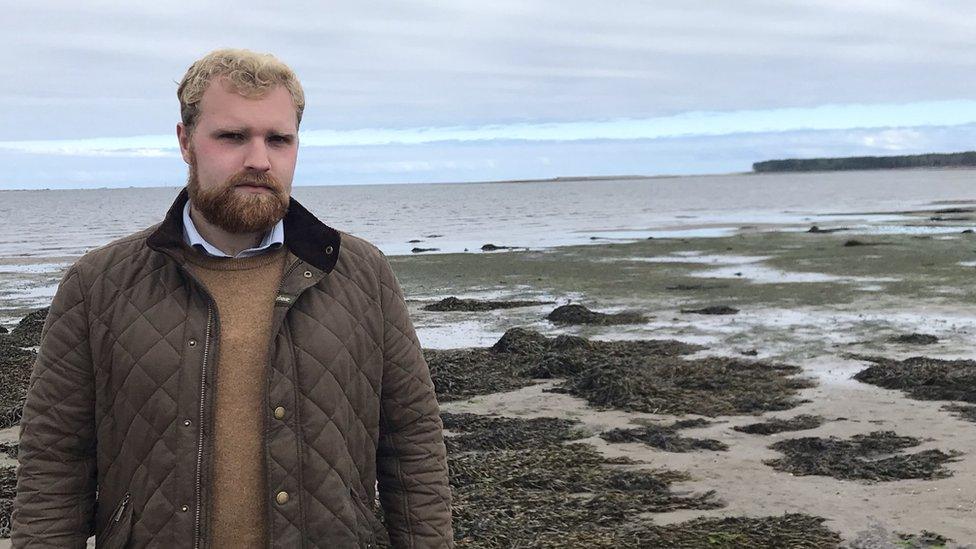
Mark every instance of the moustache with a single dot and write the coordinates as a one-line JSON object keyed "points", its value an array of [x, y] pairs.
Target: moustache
{"points": [[251, 179]]}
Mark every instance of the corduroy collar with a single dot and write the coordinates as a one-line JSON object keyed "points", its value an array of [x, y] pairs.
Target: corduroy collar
{"points": [[307, 237]]}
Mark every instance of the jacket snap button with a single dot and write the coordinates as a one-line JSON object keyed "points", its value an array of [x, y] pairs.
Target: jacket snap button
{"points": [[328, 250], [184, 508], [308, 274], [187, 422], [282, 498], [192, 343], [279, 413]]}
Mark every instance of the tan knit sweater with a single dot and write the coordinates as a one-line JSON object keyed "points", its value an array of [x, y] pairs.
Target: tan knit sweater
{"points": [[244, 290]]}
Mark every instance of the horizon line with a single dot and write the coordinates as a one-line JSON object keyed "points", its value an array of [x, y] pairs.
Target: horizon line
{"points": [[556, 179]]}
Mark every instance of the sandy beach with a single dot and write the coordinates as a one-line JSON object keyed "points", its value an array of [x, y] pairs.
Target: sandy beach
{"points": [[808, 309]]}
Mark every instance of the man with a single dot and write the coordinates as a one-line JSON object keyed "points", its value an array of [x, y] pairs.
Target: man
{"points": [[239, 375]]}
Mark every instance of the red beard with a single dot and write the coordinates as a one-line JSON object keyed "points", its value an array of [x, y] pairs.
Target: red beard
{"points": [[239, 212]]}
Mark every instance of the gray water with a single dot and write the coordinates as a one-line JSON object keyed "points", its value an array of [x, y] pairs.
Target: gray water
{"points": [[43, 231]]}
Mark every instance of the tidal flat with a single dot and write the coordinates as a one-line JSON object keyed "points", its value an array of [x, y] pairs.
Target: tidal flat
{"points": [[812, 300], [812, 308]]}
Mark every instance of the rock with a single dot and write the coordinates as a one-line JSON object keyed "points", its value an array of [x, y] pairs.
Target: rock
{"points": [[3, 330], [414, 241], [491, 247], [817, 230], [421, 250]]}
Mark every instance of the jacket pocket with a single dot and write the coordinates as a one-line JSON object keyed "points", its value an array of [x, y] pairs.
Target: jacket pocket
{"points": [[372, 533], [116, 534]]}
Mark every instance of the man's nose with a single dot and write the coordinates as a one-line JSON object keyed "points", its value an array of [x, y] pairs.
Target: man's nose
{"points": [[257, 158]]}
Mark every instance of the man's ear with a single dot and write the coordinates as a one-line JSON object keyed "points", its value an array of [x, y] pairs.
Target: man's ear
{"points": [[183, 136]]}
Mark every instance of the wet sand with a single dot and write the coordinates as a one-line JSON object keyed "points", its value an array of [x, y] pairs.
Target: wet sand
{"points": [[804, 299]]}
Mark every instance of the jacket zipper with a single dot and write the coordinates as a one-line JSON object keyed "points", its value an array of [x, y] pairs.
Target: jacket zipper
{"points": [[118, 513], [203, 382], [281, 284]]}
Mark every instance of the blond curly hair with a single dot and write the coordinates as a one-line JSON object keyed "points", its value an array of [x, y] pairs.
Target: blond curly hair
{"points": [[251, 74]]}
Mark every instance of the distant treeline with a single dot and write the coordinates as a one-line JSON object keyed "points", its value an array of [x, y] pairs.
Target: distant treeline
{"points": [[867, 162]]}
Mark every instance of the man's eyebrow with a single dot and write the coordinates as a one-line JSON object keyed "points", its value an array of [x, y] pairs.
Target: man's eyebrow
{"points": [[229, 129], [270, 133]]}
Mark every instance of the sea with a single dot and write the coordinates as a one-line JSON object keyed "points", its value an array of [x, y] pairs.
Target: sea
{"points": [[43, 231]]}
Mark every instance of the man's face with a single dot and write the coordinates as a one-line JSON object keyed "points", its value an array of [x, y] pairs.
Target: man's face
{"points": [[241, 156]]}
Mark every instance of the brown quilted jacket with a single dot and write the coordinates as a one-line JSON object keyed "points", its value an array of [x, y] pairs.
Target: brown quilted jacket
{"points": [[115, 437]]}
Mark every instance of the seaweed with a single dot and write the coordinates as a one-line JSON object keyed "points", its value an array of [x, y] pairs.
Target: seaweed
{"points": [[772, 426], [27, 332], [478, 432], [517, 498], [15, 370], [793, 530], [923, 540], [861, 457], [713, 310], [578, 314], [521, 356], [671, 385], [458, 304], [8, 490], [967, 413], [923, 378], [666, 437], [914, 339]]}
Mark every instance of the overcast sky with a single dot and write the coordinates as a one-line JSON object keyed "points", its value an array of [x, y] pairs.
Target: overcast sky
{"points": [[483, 90]]}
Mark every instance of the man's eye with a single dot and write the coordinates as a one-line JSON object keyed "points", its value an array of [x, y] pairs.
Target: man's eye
{"points": [[279, 139], [232, 136]]}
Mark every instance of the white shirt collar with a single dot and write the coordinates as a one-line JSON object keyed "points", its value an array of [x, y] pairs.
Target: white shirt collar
{"points": [[273, 239]]}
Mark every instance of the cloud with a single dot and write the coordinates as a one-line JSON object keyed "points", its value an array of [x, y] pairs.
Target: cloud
{"points": [[421, 64], [423, 73], [826, 117], [894, 140]]}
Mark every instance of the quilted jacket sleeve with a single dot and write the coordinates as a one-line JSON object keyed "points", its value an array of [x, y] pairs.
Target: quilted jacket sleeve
{"points": [[54, 506], [411, 459]]}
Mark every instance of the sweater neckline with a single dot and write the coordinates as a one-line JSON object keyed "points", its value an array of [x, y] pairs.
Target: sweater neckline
{"points": [[199, 259]]}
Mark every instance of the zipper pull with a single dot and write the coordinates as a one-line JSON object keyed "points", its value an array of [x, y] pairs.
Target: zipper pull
{"points": [[118, 514]]}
